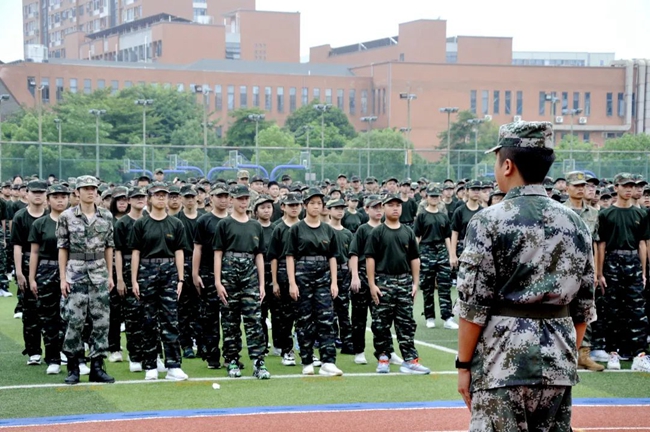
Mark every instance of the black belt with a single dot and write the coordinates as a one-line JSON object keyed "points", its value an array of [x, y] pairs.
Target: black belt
{"points": [[533, 311], [239, 255], [343, 266], [88, 256], [48, 262], [126, 257], [624, 252], [399, 276], [156, 260], [313, 258]]}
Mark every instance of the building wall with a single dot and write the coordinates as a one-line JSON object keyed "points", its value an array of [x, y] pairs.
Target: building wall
{"points": [[178, 8], [218, 8], [484, 50], [184, 43], [270, 36]]}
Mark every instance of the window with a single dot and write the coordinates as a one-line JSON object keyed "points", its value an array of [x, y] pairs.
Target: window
{"points": [[280, 96], [268, 102], [542, 103], [587, 110], [328, 96], [495, 102], [554, 104], [576, 100], [305, 96], [340, 102], [317, 94], [353, 102], [218, 98], [520, 103], [585, 137], [364, 102], [243, 97], [129, 84], [114, 86], [373, 104], [634, 105], [45, 93], [508, 102], [485, 101], [610, 104], [101, 84], [256, 96], [292, 99], [231, 97], [59, 89], [383, 101], [472, 101], [88, 88], [621, 105], [565, 102]]}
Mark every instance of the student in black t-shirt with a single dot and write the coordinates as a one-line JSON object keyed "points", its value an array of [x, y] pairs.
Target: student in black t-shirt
{"points": [[263, 210], [352, 218], [459, 221]]}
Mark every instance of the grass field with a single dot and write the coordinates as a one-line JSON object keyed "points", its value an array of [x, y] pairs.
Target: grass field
{"points": [[358, 385]]}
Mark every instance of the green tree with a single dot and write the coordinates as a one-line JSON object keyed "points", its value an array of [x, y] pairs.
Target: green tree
{"points": [[308, 115], [241, 129]]}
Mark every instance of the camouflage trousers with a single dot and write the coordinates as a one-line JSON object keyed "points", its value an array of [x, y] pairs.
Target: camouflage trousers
{"points": [[270, 306], [4, 263], [188, 312], [434, 267], [209, 311], [239, 277], [31, 319], [623, 324], [540, 408], [395, 307], [132, 312], [87, 300], [315, 311], [285, 313], [159, 302], [342, 324], [48, 282], [360, 307]]}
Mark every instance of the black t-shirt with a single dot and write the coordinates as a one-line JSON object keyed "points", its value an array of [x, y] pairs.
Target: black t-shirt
{"points": [[409, 211], [3, 209], [206, 227], [461, 218], [432, 228], [307, 241], [351, 221], [392, 249], [43, 233], [121, 233], [199, 211], [268, 234], [235, 236], [277, 212], [157, 238], [22, 223], [623, 228], [279, 240], [343, 238], [359, 240], [190, 230]]}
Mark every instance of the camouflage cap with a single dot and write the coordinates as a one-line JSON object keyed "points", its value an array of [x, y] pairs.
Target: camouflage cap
{"points": [[86, 181], [188, 190], [525, 134], [262, 199], [393, 179], [605, 193], [107, 194], [292, 198], [144, 176], [137, 192], [433, 191], [37, 186], [497, 192], [242, 174], [370, 180], [285, 177], [335, 203], [342, 175], [120, 192], [352, 197], [239, 191], [174, 190], [257, 178], [6, 184], [372, 200], [231, 182], [390, 198], [355, 179], [219, 189], [159, 171], [624, 178], [474, 184], [576, 178], [57, 189], [591, 179], [158, 187], [639, 180], [312, 192]]}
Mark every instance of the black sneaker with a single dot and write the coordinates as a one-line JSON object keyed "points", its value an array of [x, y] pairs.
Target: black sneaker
{"points": [[214, 364], [188, 353], [260, 371]]}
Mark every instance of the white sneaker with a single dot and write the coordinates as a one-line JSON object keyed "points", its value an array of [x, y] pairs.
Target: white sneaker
{"points": [[431, 323], [18, 315], [115, 357], [176, 374], [329, 369], [308, 369], [135, 366], [614, 362], [395, 359], [315, 361], [268, 324], [122, 328], [289, 359], [5, 293], [450, 324], [160, 365], [599, 355], [641, 363], [86, 347], [83, 369], [34, 360], [151, 375], [53, 369], [276, 352], [64, 359], [360, 358]]}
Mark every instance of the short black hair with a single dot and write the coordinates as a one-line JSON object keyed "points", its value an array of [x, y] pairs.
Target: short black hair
{"points": [[533, 163]]}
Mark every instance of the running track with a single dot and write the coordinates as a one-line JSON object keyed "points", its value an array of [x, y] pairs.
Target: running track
{"points": [[593, 415]]}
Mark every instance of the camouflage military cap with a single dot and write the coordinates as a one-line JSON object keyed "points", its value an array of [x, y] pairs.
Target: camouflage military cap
{"points": [[591, 179], [219, 189], [639, 180], [335, 203], [576, 178], [414, 186], [646, 190], [57, 189], [624, 178], [103, 188], [200, 187], [191, 180], [262, 199], [372, 200], [106, 194], [370, 180], [6, 184], [174, 190], [474, 184], [352, 197], [335, 189], [312, 192], [257, 178], [390, 198], [120, 192], [188, 190], [292, 198], [285, 177], [355, 179], [497, 192], [86, 181], [144, 177], [19, 186], [432, 191], [242, 174], [393, 179], [342, 176], [525, 135], [137, 192], [605, 193], [158, 187], [231, 182], [159, 171], [37, 186], [239, 191], [405, 182]]}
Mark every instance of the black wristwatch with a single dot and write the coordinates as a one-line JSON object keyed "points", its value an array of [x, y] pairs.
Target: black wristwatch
{"points": [[463, 365]]}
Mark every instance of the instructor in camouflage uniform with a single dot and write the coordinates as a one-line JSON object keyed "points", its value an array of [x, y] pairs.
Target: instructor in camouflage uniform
{"points": [[526, 294]]}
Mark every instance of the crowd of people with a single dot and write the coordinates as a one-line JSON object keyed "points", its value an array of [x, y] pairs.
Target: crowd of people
{"points": [[183, 265]]}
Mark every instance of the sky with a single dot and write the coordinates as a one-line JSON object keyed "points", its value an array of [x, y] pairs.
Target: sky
{"points": [[619, 26]]}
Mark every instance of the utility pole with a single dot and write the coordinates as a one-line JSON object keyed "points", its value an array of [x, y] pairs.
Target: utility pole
{"points": [[97, 113], [257, 118], [39, 107], [3, 98], [573, 112], [409, 97], [323, 108], [144, 103], [308, 129], [475, 122], [57, 122], [449, 111], [205, 90], [368, 120]]}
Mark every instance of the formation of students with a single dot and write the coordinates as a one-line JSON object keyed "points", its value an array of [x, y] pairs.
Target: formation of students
{"points": [[180, 266]]}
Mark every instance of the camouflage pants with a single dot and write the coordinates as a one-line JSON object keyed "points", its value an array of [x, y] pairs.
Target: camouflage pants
{"points": [[624, 320], [434, 267], [87, 300], [116, 305], [315, 311], [239, 277], [286, 313], [49, 299], [395, 307], [359, 316], [159, 303], [31, 320], [132, 313], [342, 324], [4, 264], [210, 307], [542, 408], [188, 311], [270, 305]]}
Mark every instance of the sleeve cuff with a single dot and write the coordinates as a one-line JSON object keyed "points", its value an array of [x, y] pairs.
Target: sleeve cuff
{"points": [[473, 313], [587, 315]]}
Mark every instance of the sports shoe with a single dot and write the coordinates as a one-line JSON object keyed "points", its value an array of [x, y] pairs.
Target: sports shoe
{"points": [[160, 365], [599, 356], [413, 367], [176, 374], [308, 369], [64, 359], [395, 359], [5, 293], [431, 323], [188, 353], [288, 359], [53, 369], [34, 360], [329, 369], [135, 366], [614, 362], [450, 324], [151, 375], [269, 325], [115, 357], [214, 364], [260, 371], [360, 358], [383, 366], [641, 363], [18, 315], [625, 356], [122, 328], [276, 352], [315, 361], [233, 369], [83, 369]]}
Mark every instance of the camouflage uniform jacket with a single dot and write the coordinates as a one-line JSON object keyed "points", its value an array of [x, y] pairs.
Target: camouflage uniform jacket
{"points": [[527, 249], [77, 235], [589, 216]]}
